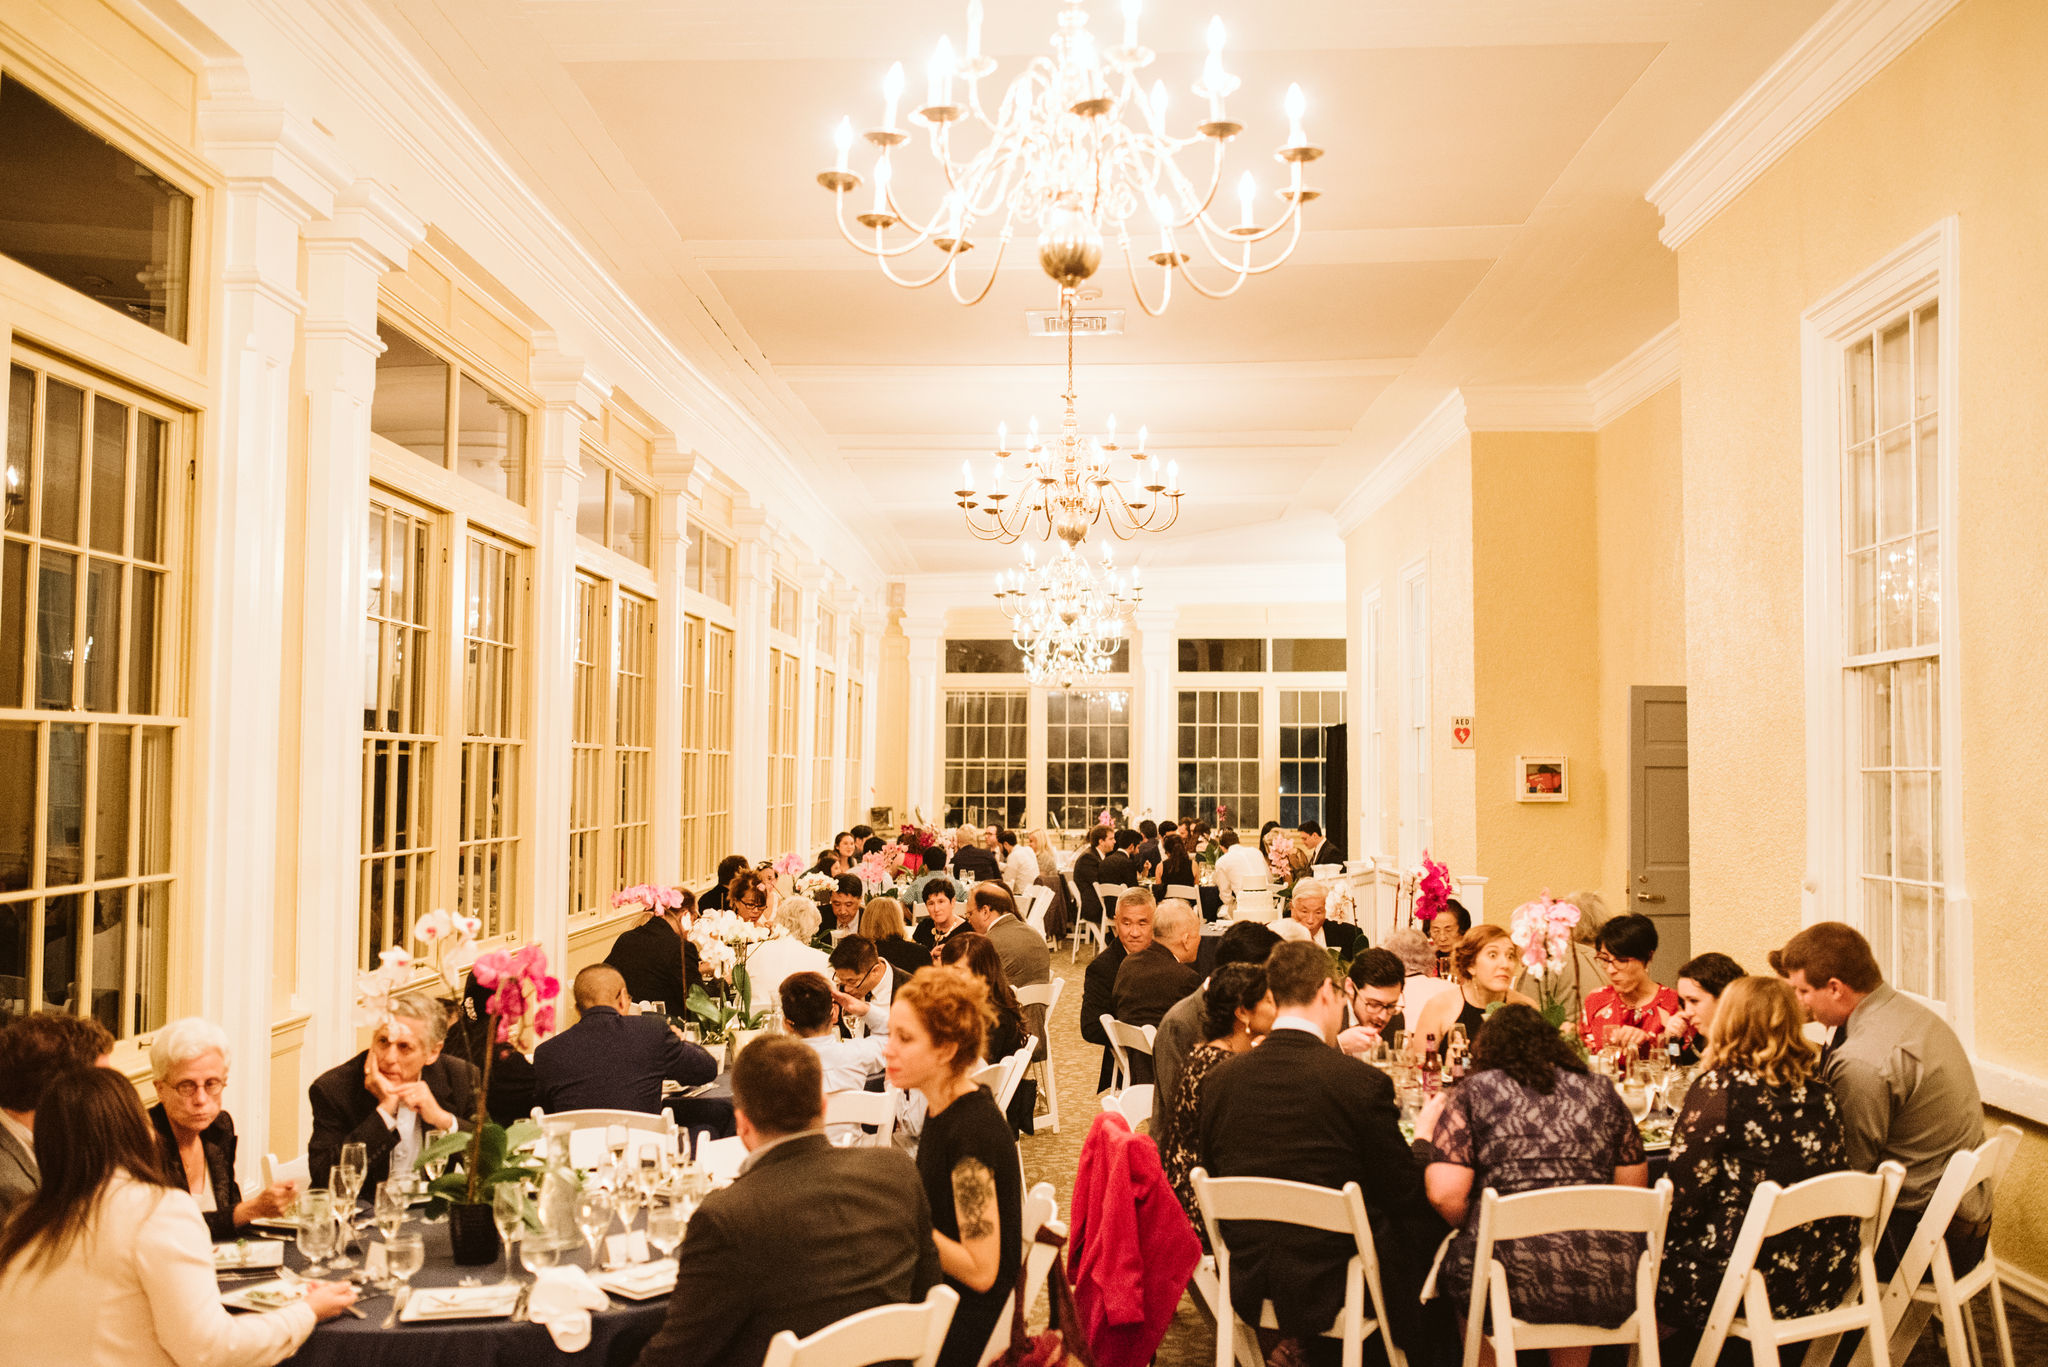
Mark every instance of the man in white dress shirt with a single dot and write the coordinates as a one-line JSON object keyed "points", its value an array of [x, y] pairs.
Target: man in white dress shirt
{"points": [[1237, 868], [810, 1013], [860, 973], [1020, 865]]}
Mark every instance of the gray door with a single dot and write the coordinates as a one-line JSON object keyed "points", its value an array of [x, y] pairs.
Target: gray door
{"points": [[1660, 873]]}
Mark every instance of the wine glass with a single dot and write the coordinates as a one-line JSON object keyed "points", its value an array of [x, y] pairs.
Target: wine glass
{"points": [[433, 1168], [1675, 1088], [594, 1218], [615, 1143], [404, 1256], [508, 1213], [650, 1174], [664, 1227], [627, 1200], [538, 1252], [316, 1228], [1637, 1095], [394, 1198], [349, 1172]]}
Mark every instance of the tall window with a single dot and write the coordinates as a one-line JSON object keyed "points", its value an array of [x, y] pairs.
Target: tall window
{"points": [[611, 743], [822, 746], [986, 778], [1219, 754], [1303, 715], [90, 630], [856, 718], [784, 608], [1416, 831], [707, 567], [614, 512], [1373, 782], [783, 678], [587, 786], [1891, 567], [697, 858], [718, 663], [632, 737], [441, 413], [1087, 755], [399, 728], [486, 860]]}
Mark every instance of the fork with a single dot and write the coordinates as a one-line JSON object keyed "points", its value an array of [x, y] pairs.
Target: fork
{"points": [[398, 1300]]}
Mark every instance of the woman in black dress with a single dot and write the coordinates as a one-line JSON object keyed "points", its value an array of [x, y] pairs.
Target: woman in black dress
{"points": [[1175, 868], [967, 1152], [882, 922], [1237, 1014], [1482, 965]]}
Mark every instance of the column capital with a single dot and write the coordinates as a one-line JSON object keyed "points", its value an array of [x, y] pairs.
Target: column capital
{"points": [[367, 220], [260, 144], [874, 622], [569, 382], [676, 468], [1156, 624]]}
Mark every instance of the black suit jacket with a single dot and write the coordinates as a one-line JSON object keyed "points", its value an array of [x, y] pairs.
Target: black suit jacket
{"points": [[1329, 852], [905, 956], [1147, 987], [657, 964], [805, 1237], [344, 1112], [1298, 1109], [1346, 940], [1087, 873], [1098, 998], [615, 1062], [217, 1143], [976, 864], [1118, 867]]}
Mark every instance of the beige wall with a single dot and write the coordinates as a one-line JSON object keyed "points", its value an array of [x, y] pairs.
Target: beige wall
{"points": [[1956, 126], [892, 722]]}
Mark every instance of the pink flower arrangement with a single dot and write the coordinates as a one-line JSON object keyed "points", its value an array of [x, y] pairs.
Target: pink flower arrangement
{"points": [[1432, 889], [523, 1004], [873, 870], [1279, 860], [789, 865], [648, 897]]}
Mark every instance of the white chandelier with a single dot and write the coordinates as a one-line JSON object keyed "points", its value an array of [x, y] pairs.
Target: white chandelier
{"points": [[1065, 621], [1077, 149]]}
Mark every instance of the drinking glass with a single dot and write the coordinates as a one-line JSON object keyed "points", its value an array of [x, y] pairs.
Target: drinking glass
{"points": [[650, 1174], [404, 1256], [664, 1227], [594, 1218], [538, 1251], [316, 1229], [627, 1200], [1636, 1094], [349, 1172], [394, 1198], [508, 1213], [1675, 1088], [615, 1142]]}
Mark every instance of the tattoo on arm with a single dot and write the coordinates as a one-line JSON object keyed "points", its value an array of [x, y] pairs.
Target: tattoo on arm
{"points": [[974, 1198]]}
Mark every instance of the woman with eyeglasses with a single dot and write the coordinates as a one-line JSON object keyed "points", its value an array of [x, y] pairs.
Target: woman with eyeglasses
{"points": [[1634, 1010], [189, 1060]]}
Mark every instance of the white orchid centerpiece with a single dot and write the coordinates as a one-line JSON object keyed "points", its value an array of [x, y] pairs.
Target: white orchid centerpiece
{"points": [[723, 941], [449, 939]]}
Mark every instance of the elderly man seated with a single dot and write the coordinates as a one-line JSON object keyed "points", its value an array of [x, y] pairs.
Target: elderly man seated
{"points": [[189, 1061], [612, 1059], [1153, 979], [1309, 908], [393, 1097], [787, 950]]}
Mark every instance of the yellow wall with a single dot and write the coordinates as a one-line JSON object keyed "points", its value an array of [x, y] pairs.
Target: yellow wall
{"points": [[892, 722], [1639, 525], [1958, 125]]}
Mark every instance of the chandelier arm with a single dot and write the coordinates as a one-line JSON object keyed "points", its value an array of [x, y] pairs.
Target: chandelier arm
{"points": [[994, 270], [1291, 218], [1137, 290], [877, 251], [1280, 259]]}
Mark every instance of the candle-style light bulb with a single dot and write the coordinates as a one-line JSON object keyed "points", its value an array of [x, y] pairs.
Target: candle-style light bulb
{"points": [[1111, 427], [882, 177], [1029, 556], [842, 140], [1153, 472], [1247, 191], [966, 475], [1003, 438], [1297, 105], [1173, 477], [939, 72], [1213, 79], [1131, 8], [892, 92], [1158, 104], [973, 29], [1141, 441]]}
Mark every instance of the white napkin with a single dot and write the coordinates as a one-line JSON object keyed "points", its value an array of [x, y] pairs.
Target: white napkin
{"points": [[562, 1299]]}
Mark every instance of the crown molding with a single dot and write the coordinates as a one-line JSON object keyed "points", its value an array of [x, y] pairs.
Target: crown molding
{"points": [[1529, 408], [1411, 455], [1643, 372], [1851, 43]]}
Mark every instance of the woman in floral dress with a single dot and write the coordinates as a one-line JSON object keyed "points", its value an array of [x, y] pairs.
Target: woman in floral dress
{"points": [[1238, 1011], [1757, 1111]]}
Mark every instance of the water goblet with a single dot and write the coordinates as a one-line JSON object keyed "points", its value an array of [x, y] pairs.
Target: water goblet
{"points": [[508, 1213], [594, 1219], [394, 1198], [404, 1256], [538, 1252], [316, 1229], [664, 1227], [615, 1144]]}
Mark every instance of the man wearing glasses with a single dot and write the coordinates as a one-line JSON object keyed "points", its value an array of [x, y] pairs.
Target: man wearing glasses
{"points": [[864, 985], [1372, 990]]}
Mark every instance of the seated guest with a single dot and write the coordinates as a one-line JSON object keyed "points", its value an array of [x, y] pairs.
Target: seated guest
{"points": [[750, 895], [978, 956], [1238, 867], [1482, 967], [846, 898], [1120, 865], [1237, 1013], [830, 863], [611, 1059], [1372, 994], [1020, 865], [107, 1265], [188, 1061], [1634, 1009], [1088, 873], [848, 846], [392, 1098], [1527, 1118], [882, 924], [787, 950], [1180, 1029], [805, 1236], [1757, 1111], [1131, 933], [657, 962], [1904, 1085], [991, 911], [974, 862], [1148, 844], [810, 1011], [1151, 982], [1296, 1109], [966, 1154], [1701, 981], [1315, 848], [728, 868], [870, 844], [1308, 908], [33, 1050], [471, 1033], [934, 863], [1042, 850], [1175, 868], [866, 980], [1419, 985], [1446, 928], [942, 915]]}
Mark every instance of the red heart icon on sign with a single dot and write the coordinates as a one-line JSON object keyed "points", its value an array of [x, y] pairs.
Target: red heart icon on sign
{"points": [[1463, 733]]}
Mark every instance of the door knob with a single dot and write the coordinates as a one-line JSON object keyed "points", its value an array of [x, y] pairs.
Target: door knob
{"points": [[1649, 897]]}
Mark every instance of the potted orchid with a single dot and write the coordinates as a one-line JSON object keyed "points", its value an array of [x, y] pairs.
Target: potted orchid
{"points": [[723, 942], [648, 897], [1542, 931]]}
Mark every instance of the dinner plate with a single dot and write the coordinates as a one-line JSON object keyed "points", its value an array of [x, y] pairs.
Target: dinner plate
{"points": [[272, 1295], [640, 1282], [248, 1253], [279, 1223], [461, 1302]]}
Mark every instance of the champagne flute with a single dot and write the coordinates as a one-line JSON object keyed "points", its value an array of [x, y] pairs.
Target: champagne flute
{"points": [[508, 1213], [594, 1219], [628, 1199], [394, 1198], [349, 1172], [664, 1227], [316, 1229], [615, 1142], [404, 1256]]}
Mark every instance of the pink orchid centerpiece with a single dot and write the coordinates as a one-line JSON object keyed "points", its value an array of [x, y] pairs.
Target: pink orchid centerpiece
{"points": [[1280, 859], [522, 1008], [873, 870], [377, 990], [649, 897], [1432, 889], [788, 865], [1542, 930], [450, 939]]}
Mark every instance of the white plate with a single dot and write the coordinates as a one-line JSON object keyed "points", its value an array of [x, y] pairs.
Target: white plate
{"points": [[280, 1223], [248, 1253], [640, 1282], [461, 1302], [264, 1296]]}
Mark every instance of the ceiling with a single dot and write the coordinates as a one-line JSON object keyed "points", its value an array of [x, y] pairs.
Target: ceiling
{"points": [[1482, 224]]}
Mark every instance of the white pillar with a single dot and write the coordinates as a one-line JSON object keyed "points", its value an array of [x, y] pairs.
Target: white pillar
{"points": [[280, 175], [753, 590], [346, 256], [571, 394], [810, 580], [921, 767], [1158, 794], [672, 469], [874, 625]]}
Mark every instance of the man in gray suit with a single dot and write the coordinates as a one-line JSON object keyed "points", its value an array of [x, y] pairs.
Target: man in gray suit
{"points": [[34, 1051], [1027, 962]]}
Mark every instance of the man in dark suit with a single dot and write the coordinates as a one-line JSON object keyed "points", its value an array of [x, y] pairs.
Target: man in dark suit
{"points": [[1307, 908], [394, 1097], [1152, 981], [1121, 864], [974, 862], [1295, 1108], [1088, 872], [612, 1059], [1319, 850], [1180, 1029], [713, 898], [1131, 933], [657, 963], [1148, 844], [805, 1236], [991, 911]]}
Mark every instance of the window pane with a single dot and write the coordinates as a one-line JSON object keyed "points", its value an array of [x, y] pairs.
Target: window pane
{"points": [[1210, 656], [1928, 586], [1895, 483], [153, 957], [90, 216], [1926, 358], [1861, 505], [410, 405], [1915, 825], [109, 955], [718, 570], [1877, 824], [19, 476], [1914, 709], [56, 614], [590, 501], [1308, 653], [1927, 464], [154, 817], [60, 952], [491, 450], [1877, 717], [63, 455], [151, 437], [109, 474], [1862, 602], [146, 588], [16, 923], [983, 657], [1916, 946], [103, 637], [632, 519], [110, 826], [1858, 399], [1897, 591], [1894, 377], [17, 806], [13, 622], [64, 812]]}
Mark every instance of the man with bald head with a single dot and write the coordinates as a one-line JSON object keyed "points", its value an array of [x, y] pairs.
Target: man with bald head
{"points": [[611, 1058], [1156, 976]]}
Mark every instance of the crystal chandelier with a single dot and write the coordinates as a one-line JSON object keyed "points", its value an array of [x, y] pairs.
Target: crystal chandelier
{"points": [[1066, 483], [1077, 149], [1065, 620]]}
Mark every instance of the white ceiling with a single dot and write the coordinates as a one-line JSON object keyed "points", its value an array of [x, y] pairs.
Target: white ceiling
{"points": [[1482, 224]]}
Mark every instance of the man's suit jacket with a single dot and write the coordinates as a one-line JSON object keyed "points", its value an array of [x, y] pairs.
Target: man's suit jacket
{"points": [[19, 1175], [1298, 1109], [614, 1062], [1118, 867], [1026, 960], [1087, 873], [805, 1237], [652, 959], [1148, 985], [1345, 939], [344, 1112], [1098, 999], [976, 865], [1329, 852], [1179, 1034]]}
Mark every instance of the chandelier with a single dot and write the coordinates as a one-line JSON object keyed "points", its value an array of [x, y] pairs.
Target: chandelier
{"points": [[1066, 482], [1066, 622], [1077, 149]]}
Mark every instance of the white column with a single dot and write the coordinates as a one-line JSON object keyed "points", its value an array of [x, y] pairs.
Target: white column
{"points": [[571, 394], [874, 625], [346, 256], [753, 588], [921, 767], [810, 580], [672, 469], [280, 175], [1158, 794]]}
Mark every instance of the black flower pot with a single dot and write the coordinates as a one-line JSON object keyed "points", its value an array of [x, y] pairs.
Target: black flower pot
{"points": [[473, 1233]]}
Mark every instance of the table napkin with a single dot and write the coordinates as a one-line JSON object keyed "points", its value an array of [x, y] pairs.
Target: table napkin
{"points": [[562, 1299]]}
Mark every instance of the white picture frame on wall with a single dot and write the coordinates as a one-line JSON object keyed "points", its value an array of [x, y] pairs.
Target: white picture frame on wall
{"points": [[1543, 778]]}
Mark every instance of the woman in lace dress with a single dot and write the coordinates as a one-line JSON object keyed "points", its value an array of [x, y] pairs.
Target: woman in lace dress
{"points": [[1757, 1111], [1237, 1013]]}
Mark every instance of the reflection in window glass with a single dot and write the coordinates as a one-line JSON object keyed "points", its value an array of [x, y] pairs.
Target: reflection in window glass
{"points": [[985, 752], [1218, 756], [1223, 656], [491, 450], [1088, 756], [1310, 653], [410, 405], [1303, 752]]}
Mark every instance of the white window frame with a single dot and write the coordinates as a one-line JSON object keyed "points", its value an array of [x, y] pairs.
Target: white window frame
{"points": [[1417, 785], [1923, 270], [1373, 762]]}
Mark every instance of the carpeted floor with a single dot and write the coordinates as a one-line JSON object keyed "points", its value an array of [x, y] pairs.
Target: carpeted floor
{"points": [[1191, 1342]]}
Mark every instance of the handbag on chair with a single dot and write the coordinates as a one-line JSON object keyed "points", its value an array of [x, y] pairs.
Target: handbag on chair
{"points": [[1062, 1344]]}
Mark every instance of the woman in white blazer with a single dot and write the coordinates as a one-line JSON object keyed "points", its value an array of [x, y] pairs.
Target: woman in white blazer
{"points": [[110, 1266]]}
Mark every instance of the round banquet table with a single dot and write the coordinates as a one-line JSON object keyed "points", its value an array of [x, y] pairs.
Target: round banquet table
{"points": [[709, 1113], [349, 1342]]}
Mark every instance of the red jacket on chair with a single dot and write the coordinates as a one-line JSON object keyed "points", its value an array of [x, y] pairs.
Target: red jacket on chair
{"points": [[1132, 1249]]}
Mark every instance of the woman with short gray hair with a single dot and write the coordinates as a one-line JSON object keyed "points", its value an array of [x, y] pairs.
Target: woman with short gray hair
{"points": [[788, 950], [188, 1062]]}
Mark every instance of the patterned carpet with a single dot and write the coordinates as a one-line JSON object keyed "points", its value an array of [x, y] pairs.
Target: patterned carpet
{"points": [[1191, 1341]]}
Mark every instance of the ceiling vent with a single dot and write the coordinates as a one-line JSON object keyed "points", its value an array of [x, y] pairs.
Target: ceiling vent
{"points": [[1087, 322]]}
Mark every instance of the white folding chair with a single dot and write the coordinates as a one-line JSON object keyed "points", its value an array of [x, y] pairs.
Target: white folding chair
{"points": [[863, 1108], [1297, 1203], [1134, 1104], [587, 1145], [1909, 1302], [1006, 1074], [1565, 1210], [1186, 892], [1046, 995], [1037, 900], [887, 1333], [1041, 1207], [1861, 1196], [1122, 1039]]}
